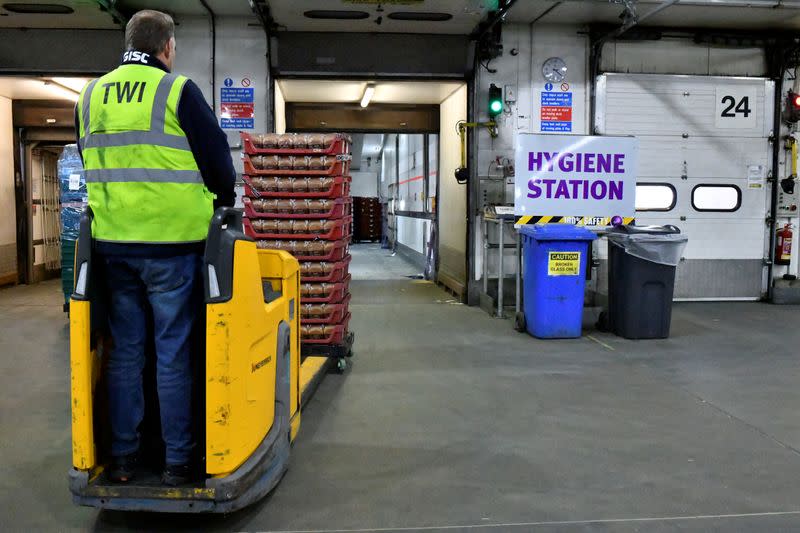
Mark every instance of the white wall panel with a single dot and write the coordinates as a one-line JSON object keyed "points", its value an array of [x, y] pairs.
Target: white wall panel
{"points": [[712, 157], [364, 184], [241, 52], [523, 71], [8, 225], [451, 204], [675, 105], [681, 56]]}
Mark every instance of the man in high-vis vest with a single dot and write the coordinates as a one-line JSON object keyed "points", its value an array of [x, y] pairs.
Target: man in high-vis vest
{"points": [[157, 164]]}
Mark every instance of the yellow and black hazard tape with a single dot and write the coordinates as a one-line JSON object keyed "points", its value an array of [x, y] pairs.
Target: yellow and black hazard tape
{"points": [[578, 221]]}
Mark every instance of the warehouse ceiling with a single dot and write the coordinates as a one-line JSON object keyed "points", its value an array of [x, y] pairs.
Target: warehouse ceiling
{"points": [[351, 91], [386, 16], [458, 17], [723, 14], [27, 88]]}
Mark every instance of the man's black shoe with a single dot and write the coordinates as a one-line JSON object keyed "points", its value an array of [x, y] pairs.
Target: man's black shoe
{"points": [[175, 475], [122, 468]]}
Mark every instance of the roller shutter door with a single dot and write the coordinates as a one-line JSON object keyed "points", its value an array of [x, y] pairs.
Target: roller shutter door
{"points": [[707, 139]]}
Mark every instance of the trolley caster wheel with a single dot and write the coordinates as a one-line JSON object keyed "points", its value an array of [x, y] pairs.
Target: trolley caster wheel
{"points": [[519, 322], [341, 365]]}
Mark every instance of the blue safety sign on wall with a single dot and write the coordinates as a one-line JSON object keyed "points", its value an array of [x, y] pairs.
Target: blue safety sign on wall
{"points": [[556, 125], [555, 113], [237, 95], [557, 99], [237, 107]]}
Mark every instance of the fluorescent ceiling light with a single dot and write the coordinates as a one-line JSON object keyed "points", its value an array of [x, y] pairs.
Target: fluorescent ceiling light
{"points": [[50, 120], [61, 92], [368, 92], [74, 84]]}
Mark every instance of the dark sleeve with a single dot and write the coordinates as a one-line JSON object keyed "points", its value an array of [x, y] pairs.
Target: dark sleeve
{"points": [[209, 144], [78, 133]]}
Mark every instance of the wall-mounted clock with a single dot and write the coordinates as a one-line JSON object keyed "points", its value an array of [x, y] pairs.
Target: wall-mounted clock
{"points": [[554, 70]]}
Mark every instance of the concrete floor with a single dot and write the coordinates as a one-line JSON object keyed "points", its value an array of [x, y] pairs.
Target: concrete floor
{"points": [[370, 261], [451, 421]]}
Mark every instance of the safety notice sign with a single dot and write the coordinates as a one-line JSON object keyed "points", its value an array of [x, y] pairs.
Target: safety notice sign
{"points": [[576, 179], [563, 263], [237, 106], [556, 111]]}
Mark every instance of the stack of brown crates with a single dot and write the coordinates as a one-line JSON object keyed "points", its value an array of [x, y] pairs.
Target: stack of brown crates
{"points": [[367, 219], [297, 198]]}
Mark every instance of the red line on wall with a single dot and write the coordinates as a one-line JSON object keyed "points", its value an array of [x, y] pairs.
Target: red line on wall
{"points": [[415, 178]]}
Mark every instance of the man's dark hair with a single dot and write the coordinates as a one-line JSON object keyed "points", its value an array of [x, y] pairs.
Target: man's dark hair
{"points": [[149, 31]]}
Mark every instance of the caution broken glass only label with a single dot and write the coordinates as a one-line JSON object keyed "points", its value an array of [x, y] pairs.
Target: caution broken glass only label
{"points": [[563, 263]]}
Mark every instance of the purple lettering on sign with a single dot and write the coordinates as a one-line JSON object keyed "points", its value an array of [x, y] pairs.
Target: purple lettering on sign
{"points": [[604, 163], [562, 191], [535, 190], [549, 184], [615, 190], [565, 163], [599, 190], [575, 189], [589, 163], [574, 184], [619, 159]]}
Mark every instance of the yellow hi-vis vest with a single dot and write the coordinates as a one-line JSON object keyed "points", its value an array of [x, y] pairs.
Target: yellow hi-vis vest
{"points": [[143, 182]]}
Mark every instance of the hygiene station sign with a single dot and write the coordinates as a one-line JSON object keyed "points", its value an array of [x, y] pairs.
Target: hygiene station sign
{"points": [[575, 179]]}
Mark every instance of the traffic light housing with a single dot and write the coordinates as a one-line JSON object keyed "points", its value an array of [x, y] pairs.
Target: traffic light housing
{"points": [[791, 112], [495, 100]]}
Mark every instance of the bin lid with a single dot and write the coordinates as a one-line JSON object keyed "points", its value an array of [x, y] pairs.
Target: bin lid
{"points": [[558, 232], [644, 230]]}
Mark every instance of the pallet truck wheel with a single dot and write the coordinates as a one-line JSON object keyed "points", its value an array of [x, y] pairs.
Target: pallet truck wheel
{"points": [[519, 322], [341, 365]]}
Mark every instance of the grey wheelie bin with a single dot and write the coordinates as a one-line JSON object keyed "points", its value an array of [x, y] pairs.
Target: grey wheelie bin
{"points": [[641, 279]]}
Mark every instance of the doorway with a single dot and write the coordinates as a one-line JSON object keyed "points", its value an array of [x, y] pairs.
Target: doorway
{"points": [[36, 122], [404, 138]]}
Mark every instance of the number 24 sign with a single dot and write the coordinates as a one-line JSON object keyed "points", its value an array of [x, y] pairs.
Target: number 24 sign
{"points": [[736, 108]]}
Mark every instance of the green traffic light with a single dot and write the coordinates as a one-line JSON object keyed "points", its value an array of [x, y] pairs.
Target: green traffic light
{"points": [[496, 106]]}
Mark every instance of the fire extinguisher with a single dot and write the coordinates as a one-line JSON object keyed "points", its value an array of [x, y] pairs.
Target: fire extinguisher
{"points": [[783, 245]]}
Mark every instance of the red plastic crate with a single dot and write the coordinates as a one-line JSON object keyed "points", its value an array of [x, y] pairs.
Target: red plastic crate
{"points": [[338, 249], [340, 187], [339, 167], [337, 334], [339, 145], [338, 273], [336, 313], [335, 295], [340, 207], [341, 230]]}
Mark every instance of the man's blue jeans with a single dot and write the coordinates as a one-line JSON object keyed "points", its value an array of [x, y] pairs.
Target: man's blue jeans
{"points": [[172, 287]]}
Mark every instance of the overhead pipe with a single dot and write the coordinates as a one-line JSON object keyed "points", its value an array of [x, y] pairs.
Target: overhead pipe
{"points": [[635, 21], [109, 6], [213, 54], [484, 27]]}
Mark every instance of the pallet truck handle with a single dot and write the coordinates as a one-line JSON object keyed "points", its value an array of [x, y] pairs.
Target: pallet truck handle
{"points": [[224, 230], [83, 257]]}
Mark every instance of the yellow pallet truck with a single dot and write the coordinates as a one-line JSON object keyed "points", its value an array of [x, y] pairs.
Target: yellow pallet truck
{"points": [[248, 410]]}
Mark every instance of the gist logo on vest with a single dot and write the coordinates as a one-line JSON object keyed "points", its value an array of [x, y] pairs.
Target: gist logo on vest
{"points": [[575, 179]]}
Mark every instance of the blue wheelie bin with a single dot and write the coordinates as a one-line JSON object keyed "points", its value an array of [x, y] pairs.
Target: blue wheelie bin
{"points": [[554, 279]]}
